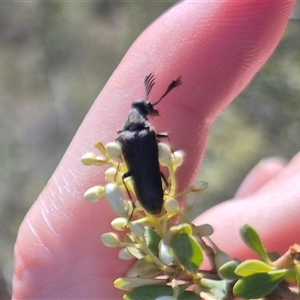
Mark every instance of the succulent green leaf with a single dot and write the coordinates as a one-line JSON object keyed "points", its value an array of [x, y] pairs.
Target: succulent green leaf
{"points": [[250, 267], [187, 295], [253, 241], [146, 268], [152, 240], [149, 292], [297, 275], [188, 252], [218, 288], [153, 292], [129, 283], [258, 285], [227, 270]]}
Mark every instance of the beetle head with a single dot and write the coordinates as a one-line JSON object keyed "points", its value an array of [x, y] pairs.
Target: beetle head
{"points": [[144, 107]]}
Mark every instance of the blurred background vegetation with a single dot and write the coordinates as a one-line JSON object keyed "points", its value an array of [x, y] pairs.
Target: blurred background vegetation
{"points": [[55, 57]]}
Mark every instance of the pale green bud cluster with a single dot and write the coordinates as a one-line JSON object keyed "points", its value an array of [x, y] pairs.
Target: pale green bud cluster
{"points": [[154, 241], [113, 191]]}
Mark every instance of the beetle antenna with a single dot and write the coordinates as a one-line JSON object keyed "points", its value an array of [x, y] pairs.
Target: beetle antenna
{"points": [[172, 85], [149, 83]]}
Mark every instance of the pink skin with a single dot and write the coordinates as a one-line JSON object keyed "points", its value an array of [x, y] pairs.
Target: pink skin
{"points": [[217, 47]]}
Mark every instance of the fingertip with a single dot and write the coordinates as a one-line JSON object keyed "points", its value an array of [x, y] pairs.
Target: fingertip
{"points": [[261, 174]]}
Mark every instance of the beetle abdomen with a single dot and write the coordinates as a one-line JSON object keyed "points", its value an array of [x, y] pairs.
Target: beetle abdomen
{"points": [[140, 153]]}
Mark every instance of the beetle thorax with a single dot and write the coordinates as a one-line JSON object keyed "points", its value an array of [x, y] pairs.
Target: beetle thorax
{"points": [[136, 121]]}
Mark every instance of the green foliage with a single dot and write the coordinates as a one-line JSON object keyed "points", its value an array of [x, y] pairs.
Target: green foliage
{"points": [[146, 268], [228, 270], [297, 275], [259, 284], [217, 288], [250, 267], [170, 249], [152, 240], [153, 292], [188, 252], [149, 292], [260, 278], [253, 241]]}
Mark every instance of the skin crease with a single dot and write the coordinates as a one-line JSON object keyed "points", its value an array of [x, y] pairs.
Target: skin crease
{"points": [[217, 47]]}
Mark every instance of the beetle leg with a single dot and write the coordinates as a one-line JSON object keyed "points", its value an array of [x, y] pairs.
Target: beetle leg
{"points": [[128, 174], [115, 178], [162, 135], [164, 179]]}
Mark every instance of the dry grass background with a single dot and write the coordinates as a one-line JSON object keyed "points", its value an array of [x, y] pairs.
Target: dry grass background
{"points": [[56, 56]]}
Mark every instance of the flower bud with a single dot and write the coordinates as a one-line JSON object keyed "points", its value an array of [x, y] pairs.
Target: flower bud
{"points": [[137, 229], [111, 175], [204, 230], [171, 205], [125, 255], [119, 223], [190, 200], [113, 150], [110, 239], [164, 155], [116, 199], [178, 157], [199, 187], [94, 193], [89, 159], [166, 254]]}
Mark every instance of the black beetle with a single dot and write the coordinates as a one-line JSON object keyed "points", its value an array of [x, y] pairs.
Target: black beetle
{"points": [[138, 141]]}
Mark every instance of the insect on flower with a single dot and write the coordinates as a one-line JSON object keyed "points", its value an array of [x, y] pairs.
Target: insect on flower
{"points": [[138, 141]]}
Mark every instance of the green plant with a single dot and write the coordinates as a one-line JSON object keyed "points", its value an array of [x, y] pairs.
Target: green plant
{"points": [[170, 249]]}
